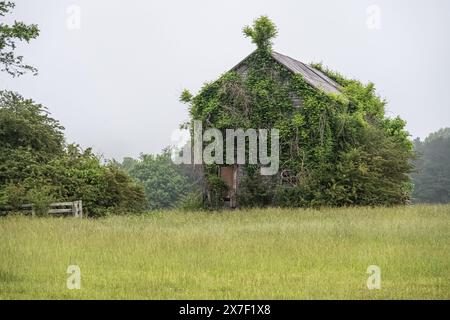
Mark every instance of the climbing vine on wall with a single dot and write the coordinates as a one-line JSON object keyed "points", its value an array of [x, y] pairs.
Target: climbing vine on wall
{"points": [[340, 148]]}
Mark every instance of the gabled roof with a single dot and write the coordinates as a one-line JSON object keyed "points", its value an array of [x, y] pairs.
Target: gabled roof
{"points": [[314, 77]]}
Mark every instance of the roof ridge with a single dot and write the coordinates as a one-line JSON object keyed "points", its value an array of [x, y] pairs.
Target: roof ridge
{"points": [[314, 77], [333, 85]]}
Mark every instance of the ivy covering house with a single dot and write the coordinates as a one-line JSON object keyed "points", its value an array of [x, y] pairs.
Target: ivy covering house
{"points": [[337, 146]]}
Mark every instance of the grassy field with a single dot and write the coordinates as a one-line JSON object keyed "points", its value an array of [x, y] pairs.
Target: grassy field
{"points": [[256, 254]]}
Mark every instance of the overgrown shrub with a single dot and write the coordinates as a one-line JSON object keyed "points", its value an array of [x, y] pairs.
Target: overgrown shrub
{"points": [[13, 196], [216, 191], [41, 198], [36, 166], [193, 201]]}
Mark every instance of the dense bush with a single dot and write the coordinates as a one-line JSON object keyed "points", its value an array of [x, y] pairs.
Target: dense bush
{"points": [[36, 166]]}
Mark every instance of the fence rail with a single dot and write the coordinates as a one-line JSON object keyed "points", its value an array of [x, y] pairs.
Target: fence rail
{"points": [[74, 208]]}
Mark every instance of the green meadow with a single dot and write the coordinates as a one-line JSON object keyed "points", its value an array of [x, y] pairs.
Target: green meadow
{"points": [[241, 254]]}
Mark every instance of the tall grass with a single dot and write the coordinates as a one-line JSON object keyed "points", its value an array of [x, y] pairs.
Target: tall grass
{"points": [[254, 254]]}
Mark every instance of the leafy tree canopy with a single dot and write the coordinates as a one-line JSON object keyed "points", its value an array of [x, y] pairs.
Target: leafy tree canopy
{"points": [[9, 36], [261, 32], [25, 124], [37, 167], [165, 183]]}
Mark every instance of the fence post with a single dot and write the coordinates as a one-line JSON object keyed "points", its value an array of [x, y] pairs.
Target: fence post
{"points": [[74, 209], [33, 213], [80, 208], [77, 209]]}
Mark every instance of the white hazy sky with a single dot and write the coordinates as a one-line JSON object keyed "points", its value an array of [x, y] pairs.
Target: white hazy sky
{"points": [[114, 83]]}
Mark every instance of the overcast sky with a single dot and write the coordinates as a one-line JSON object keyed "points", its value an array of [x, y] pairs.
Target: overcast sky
{"points": [[114, 82]]}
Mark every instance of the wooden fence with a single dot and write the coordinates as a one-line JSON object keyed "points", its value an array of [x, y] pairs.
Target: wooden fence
{"points": [[58, 208]]}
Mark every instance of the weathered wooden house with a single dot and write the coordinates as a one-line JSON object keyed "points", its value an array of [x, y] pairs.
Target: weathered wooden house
{"points": [[336, 145], [233, 174]]}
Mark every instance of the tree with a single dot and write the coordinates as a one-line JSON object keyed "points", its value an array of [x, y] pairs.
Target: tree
{"points": [[25, 124], [262, 32], [432, 168], [36, 166], [29, 137], [164, 182], [9, 36]]}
